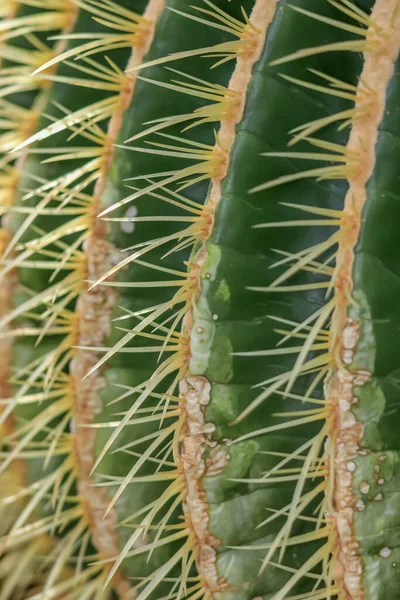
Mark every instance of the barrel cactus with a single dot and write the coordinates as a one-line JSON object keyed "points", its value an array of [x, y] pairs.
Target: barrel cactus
{"points": [[199, 323]]}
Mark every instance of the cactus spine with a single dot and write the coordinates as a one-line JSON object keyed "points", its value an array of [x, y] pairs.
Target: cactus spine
{"points": [[198, 299]]}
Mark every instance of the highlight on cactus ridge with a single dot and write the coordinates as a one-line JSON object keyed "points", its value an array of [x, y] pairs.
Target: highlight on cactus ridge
{"points": [[199, 282]]}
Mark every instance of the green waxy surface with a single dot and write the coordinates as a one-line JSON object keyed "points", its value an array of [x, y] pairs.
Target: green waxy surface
{"points": [[381, 577], [239, 318], [376, 289], [151, 102], [241, 569], [228, 317]]}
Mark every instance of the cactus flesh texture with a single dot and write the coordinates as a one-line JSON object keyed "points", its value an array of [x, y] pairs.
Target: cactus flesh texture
{"points": [[199, 357]]}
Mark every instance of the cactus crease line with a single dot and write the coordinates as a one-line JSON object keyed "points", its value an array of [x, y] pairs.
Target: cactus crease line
{"points": [[194, 390], [93, 318], [376, 75]]}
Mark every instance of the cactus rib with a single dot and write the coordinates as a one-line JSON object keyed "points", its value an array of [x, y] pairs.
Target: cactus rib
{"points": [[93, 312], [194, 390], [376, 75]]}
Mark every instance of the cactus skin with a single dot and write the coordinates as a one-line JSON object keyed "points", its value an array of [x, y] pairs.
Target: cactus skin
{"points": [[228, 382], [376, 405]]}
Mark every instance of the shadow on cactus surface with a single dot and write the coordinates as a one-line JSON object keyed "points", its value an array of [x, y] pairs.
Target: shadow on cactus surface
{"points": [[199, 283]]}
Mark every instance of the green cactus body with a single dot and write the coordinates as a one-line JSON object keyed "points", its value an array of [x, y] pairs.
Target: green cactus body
{"points": [[372, 361], [63, 467], [133, 370], [204, 318]]}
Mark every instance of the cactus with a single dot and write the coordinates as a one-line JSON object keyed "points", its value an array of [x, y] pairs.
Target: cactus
{"points": [[198, 316]]}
